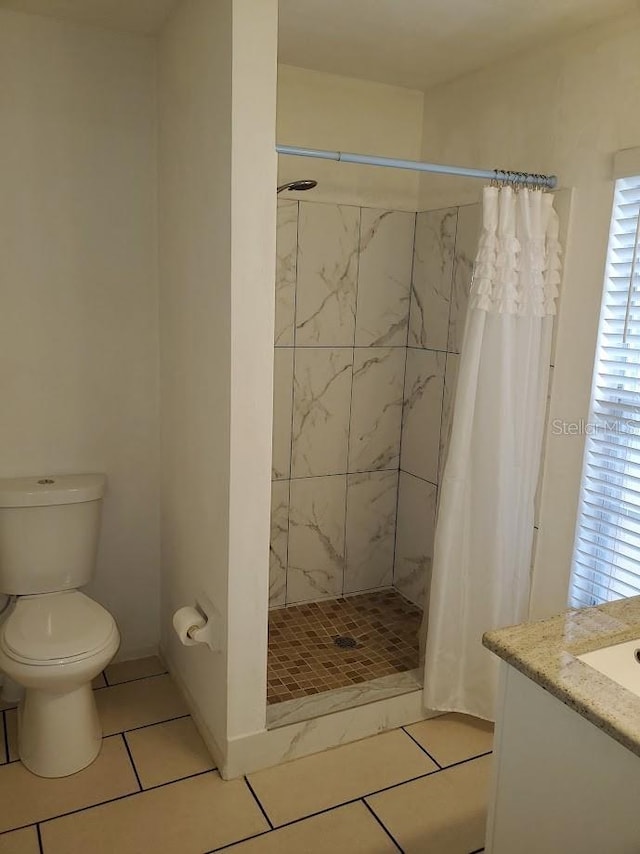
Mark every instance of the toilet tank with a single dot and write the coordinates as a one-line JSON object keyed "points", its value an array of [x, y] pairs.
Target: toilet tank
{"points": [[49, 529]]}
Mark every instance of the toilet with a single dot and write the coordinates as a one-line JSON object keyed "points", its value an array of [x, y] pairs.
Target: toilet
{"points": [[55, 639]]}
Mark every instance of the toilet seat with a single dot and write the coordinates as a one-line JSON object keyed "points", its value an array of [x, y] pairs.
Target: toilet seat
{"points": [[56, 627]]}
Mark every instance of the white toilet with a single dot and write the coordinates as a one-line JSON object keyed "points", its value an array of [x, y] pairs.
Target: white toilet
{"points": [[55, 639]]}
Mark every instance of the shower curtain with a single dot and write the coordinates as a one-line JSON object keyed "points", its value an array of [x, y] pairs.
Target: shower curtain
{"points": [[484, 533]]}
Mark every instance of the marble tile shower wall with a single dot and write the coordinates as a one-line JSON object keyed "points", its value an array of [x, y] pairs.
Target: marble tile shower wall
{"points": [[362, 388], [342, 308], [446, 242]]}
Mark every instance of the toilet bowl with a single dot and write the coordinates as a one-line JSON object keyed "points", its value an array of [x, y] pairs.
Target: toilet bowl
{"points": [[55, 639], [54, 644]]}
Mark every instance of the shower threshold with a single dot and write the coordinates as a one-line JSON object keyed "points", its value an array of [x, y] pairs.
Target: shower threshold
{"points": [[316, 705]]}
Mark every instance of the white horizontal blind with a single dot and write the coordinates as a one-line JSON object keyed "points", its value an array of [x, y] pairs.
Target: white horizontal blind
{"points": [[606, 560]]}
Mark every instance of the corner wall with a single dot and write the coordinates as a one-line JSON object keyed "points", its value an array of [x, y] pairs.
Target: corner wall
{"points": [[79, 310], [319, 110], [217, 174], [253, 252], [194, 202], [564, 109]]}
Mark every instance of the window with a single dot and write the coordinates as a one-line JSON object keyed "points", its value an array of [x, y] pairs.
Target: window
{"points": [[606, 559]]}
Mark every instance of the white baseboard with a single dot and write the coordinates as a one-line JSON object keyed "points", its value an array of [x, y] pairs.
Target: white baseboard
{"points": [[216, 751]]}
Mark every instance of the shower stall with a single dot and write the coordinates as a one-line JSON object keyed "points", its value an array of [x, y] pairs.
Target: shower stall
{"points": [[370, 308]]}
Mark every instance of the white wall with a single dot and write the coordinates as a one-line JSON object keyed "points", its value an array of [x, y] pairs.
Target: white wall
{"points": [[78, 316], [318, 110], [253, 252], [194, 89], [217, 174], [566, 109]]}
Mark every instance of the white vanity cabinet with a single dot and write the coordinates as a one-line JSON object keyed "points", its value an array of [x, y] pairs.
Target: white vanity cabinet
{"points": [[561, 785]]}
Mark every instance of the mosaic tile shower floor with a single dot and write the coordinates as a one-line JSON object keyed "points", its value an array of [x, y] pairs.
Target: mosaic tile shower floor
{"points": [[303, 656]]}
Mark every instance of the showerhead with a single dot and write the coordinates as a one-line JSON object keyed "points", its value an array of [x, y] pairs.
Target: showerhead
{"points": [[298, 186]]}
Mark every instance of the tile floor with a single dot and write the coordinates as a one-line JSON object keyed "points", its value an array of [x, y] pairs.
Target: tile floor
{"points": [[419, 789], [304, 660]]}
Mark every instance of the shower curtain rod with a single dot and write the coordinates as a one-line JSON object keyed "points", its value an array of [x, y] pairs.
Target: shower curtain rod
{"points": [[500, 175]]}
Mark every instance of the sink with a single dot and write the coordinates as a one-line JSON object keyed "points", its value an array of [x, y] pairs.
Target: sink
{"points": [[620, 662]]}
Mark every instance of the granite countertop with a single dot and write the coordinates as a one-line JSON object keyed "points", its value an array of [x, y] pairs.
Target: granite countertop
{"points": [[546, 651]]}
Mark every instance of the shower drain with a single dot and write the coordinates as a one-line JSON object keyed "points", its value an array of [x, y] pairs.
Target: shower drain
{"points": [[345, 642]]}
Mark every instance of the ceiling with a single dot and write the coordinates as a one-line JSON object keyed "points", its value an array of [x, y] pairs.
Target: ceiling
{"points": [[419, 43], [138, 16], [412, 43]]}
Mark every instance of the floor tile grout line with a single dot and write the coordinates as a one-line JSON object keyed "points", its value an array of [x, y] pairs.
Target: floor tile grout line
{"points": [[128, 681], [133, 764], [383, 826], [40, 845], [423, 749], [337, 806], [468, 759], [178, 780], [5, 731], [123, 731], [146, 726], [383, 790], [333, 807], [257, 800], [111, 800], [299, 821], [9, 830], [290, 824], [239, 841]]}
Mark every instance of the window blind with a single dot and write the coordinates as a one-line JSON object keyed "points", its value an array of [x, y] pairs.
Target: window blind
{"points": [[606, 560]]}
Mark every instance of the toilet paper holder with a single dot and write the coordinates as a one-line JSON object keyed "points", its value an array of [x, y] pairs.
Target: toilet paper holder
{"points": [[200, 634], [198, 625]]}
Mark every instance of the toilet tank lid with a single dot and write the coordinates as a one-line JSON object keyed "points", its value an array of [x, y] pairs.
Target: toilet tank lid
{"points": [[42, 491]]}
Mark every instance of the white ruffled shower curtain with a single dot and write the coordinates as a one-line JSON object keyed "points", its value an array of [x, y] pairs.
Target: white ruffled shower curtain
{"points": [[484, 533]]}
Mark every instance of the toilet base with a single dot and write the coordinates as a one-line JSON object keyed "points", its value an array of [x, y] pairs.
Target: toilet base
{"points": [[58, 733]]}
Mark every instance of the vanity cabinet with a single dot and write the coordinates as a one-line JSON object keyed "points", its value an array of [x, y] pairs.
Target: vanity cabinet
{"points": [[560, 784]]}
